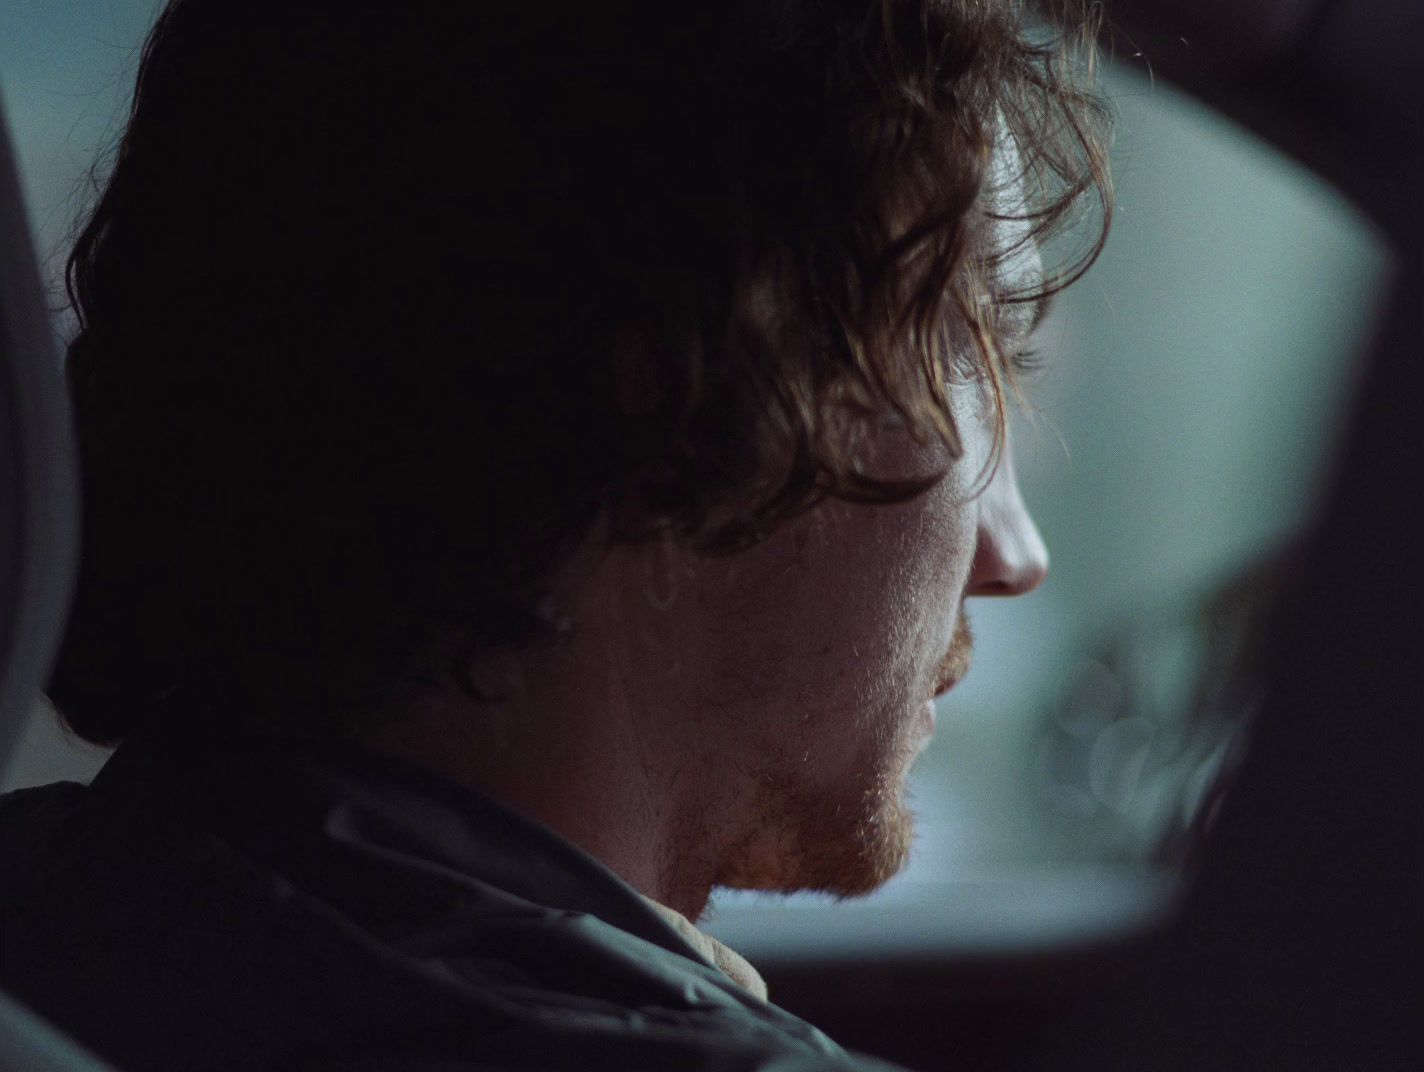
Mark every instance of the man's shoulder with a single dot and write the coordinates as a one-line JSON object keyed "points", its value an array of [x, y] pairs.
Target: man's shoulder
{"points": [[109, 911], [112, 909], [67, 848], [45, 830], [22, 809]]}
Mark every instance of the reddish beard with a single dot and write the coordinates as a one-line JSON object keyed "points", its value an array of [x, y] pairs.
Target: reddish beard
{"points": [[852, 843]]}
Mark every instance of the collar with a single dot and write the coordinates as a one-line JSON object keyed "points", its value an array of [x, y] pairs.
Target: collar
{"points": [[731, 963], [304, 807]]}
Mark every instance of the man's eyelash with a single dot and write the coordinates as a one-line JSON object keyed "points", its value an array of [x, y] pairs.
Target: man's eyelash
{"points": [[1026, 361]]}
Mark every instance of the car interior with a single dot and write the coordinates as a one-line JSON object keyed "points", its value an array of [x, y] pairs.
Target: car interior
{"points": [[1195, 839]]}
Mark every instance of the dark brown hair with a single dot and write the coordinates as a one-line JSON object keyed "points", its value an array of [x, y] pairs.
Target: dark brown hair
{"points": [[383, 305]]}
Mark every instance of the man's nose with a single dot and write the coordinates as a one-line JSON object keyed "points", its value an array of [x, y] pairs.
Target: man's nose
{"points": [[1010, 557]]}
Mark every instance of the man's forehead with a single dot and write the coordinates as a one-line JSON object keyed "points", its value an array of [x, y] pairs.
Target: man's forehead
{"points": [[1016, 261], [1016, 275]]}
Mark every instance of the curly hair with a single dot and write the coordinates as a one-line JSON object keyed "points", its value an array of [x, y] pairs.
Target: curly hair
{"points": [[382, 307]]}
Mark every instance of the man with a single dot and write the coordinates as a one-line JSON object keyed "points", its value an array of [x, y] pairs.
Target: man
{"points": [[534, 471]]}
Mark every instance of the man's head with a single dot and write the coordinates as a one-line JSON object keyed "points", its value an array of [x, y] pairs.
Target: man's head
{"points": [[806, 667], [396, 317]]}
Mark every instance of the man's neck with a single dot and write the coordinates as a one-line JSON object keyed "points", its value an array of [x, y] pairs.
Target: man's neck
{"points": [[596, 733], [595, 786]]}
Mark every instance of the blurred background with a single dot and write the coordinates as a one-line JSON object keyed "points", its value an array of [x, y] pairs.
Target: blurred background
{"points": [[1174, 445]]}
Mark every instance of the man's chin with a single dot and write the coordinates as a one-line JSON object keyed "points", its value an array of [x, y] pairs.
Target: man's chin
{"points": [[881, 856], [840, 848]]}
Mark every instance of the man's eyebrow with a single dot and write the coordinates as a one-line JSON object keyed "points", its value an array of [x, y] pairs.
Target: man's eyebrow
{"points": [[1024, 316], [1042, 305]]}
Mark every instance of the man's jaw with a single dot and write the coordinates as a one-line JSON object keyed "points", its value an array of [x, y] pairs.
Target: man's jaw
{"points": [[848, 845]]}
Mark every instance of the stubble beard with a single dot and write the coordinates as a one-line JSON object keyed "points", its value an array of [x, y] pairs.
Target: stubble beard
{"points": [[847, 842]]}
